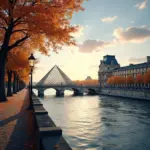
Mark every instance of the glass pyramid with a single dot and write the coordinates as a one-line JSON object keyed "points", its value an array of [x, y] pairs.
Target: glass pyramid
{"points": [[55, 77]]}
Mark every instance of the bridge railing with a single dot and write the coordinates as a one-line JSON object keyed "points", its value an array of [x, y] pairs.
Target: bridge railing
{"points": [[65, 86]]}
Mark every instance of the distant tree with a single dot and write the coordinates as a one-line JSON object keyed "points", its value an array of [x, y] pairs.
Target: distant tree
{"points": [[16, 63], [147, 77], [109, 81], [129, 80], [87, 82], [139, 79], [115, 80]]}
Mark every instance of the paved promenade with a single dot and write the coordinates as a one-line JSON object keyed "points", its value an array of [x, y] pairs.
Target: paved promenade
{"points": [[17, 131]]}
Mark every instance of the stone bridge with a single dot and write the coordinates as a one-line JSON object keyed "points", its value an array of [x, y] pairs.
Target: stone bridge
{"points": [[59, 81]]}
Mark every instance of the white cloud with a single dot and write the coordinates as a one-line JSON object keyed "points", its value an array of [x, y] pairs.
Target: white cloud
{"points": [[129, 35], [89, 46], [136, 60], [132, 34], [141, 5], [109, 19]]}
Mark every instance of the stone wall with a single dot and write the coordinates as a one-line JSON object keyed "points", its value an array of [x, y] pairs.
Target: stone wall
{"points": [[136, 94], [49, 135]]}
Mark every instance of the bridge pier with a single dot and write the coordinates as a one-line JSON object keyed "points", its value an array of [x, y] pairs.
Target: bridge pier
{"points": [[92, 92], [59, 93], [78, 92], [40, 93]]}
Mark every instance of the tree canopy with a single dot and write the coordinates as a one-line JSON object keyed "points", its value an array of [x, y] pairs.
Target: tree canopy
{"points": [[33, 25], [37, 24]]}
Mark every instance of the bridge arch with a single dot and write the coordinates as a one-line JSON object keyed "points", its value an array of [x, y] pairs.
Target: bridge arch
{"points": [[78, 92], [92, 91], [68, 92], [50, 91]]}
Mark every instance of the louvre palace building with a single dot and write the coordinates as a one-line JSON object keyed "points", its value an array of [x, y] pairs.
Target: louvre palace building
{"points": [[109, 66]]}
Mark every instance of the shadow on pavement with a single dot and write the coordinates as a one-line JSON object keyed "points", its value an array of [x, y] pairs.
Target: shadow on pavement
{"points": [[25, 133]]}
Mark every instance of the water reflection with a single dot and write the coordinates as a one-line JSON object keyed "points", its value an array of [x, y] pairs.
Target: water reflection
{"points": [[95, 123]]}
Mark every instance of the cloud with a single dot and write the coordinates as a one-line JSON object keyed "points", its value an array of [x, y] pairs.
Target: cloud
{"points": [[129, 35], [109, 19], [141, 5], [136, 60], [132, 34], [89, 46]]}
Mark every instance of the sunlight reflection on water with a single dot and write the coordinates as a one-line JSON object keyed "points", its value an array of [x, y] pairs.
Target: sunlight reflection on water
{"points": [[101, 123]]}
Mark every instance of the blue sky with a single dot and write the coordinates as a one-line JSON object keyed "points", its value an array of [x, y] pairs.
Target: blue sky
{"points": [[115, 27]]}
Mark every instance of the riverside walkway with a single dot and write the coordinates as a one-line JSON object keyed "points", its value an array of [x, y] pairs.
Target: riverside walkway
{"points": [[23, 129], [17, 129]]}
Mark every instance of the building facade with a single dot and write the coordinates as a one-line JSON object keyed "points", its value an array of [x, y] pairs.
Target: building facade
{"points": [[109, 66]]}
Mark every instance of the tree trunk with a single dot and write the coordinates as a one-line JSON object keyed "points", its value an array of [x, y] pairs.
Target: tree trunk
{"points": [[17, 79], [9, 92], [14, 83], [3, 56], [18, 85]]}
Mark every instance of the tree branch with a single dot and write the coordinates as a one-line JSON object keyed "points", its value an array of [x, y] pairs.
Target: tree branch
{"points": [[18, 19], [18, 42], [21, 30], [4, 19], [19, 22]]}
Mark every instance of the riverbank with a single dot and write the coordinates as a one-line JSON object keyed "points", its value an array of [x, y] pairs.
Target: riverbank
{"points": [[21, 128], [127, 93], [50, 136], [17, 129]]}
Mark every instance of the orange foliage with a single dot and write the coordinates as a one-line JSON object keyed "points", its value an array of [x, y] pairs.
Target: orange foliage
{"points": [[113, 80], [18, 61], [139, 78], [147, 77], [37, 25], [130, 80], [110, 80], [87, 82]]}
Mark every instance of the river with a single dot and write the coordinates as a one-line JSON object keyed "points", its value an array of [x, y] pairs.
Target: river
{"points": [[101, 122]]}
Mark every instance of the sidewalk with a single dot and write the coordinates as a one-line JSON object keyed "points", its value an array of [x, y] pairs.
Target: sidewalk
{"points": [[17, 131]]}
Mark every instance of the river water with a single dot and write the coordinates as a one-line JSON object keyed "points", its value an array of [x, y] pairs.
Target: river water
{"points": [[101, 122]]}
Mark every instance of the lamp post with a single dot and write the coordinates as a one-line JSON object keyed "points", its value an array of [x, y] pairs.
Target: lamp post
{"points": [[31, 63]]}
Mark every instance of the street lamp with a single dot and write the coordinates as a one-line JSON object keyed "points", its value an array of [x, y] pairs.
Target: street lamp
{"points": [[31, 63]]}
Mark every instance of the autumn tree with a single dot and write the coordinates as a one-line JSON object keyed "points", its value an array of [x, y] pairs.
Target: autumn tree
{"points": [[139, 79], [129, 80], [35, 25], [116, 80], [147, 77], [17, 62], [110, 80], [87, 82]]}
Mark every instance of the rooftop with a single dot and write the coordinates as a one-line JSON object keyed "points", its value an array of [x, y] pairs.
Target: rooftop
{"points": [[134, 66], [110, 60]]}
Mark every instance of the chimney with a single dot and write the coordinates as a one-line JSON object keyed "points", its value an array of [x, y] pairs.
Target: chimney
{"points": [[148, 59]]}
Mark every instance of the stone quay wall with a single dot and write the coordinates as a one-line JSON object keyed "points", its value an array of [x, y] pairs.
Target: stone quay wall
{"points": [[49, 135], [127, 93]]}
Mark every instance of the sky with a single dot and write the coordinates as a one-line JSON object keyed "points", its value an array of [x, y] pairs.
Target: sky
{"points": [[106, 27]]}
